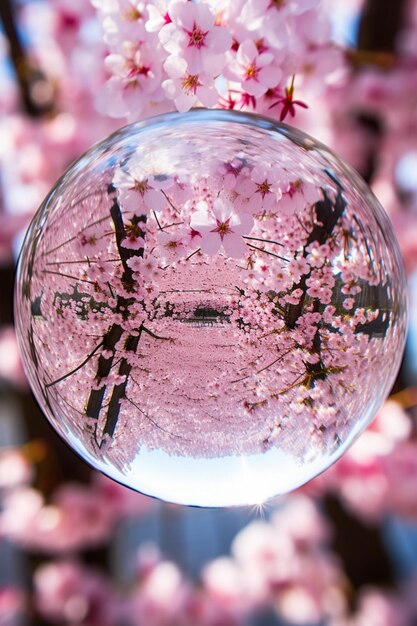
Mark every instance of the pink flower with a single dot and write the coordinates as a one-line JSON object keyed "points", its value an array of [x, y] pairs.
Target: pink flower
{"points": [[14, 468], [146, 267], [158, 15], [348, 303], [253, 69], [138, 193], [100, 272], [317, 255], [11, 368], [222, 227], [260, 191], [68, 592], [138, 66], [193, 35], [133, 242], [298, 267], [297, 195], [122, 20], [172, 244], [187, 89]]}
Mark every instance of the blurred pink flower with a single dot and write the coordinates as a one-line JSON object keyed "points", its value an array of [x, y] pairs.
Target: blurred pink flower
{"points": [[13, 606], [66, 591], [15, 468], [11, 368]]}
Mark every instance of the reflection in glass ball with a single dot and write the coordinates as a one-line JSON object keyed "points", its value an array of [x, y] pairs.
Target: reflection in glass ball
{"points": [[210, 307]]}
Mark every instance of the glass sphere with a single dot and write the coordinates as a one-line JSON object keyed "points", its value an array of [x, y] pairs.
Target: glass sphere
{"points": [[210, 307]]}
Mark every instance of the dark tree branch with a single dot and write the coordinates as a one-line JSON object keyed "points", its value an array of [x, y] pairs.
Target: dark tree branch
{"points": [[119, 391], [36, 91], [327, 215]]}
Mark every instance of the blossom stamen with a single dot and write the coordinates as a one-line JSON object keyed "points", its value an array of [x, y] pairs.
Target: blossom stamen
{"points": [[190, 83], [223, 229], [196, 36]]}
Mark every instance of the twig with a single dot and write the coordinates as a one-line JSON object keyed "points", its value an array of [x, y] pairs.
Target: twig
{"points": [[87, 358]]}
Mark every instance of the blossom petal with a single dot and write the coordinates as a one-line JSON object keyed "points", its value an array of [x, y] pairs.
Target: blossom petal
{"points": [[245, 225], [171, 38], [123, 179], [210, 243], [202, 221], [247, 53], [184, 101], [132, 201], [183, 13], [254, 87], [175, 66], [219, 39], [264, 59], [270, 76], [234, 246], [155, 200], [246, 188], [208, 97]]}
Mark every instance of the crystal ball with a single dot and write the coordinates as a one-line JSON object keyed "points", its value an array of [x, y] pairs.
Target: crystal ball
{"points": [[210, 307]]}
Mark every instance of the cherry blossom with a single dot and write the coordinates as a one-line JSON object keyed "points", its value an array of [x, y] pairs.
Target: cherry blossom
{"points": [[139, 195], [15, 468], [158, 12], [187, 89], [221, 226], [193, 35], [259, 191], [173, 244], [66, 590], [136, 69], [253, 69], [297, 195]]}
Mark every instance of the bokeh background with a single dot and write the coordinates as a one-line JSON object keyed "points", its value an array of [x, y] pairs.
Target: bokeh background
{"points": [[77, 549]]}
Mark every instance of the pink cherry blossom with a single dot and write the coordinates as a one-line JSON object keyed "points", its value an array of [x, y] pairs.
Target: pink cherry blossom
{"points": [[297, 195], [253, 69], [158, 15], [173, 244], [187, 89], [194, 35], [138, 193], [13, 606], [297, 268], [147, 266], [15, 468], [221, 226], [67, 591], [258, 191], [136, 69]]}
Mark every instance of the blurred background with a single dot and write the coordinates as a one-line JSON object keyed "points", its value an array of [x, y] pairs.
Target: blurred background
{"points": [[76, 548]]}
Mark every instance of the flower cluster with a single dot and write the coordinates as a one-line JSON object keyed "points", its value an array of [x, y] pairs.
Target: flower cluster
{"points": [[284, 564], [244, 55]]}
